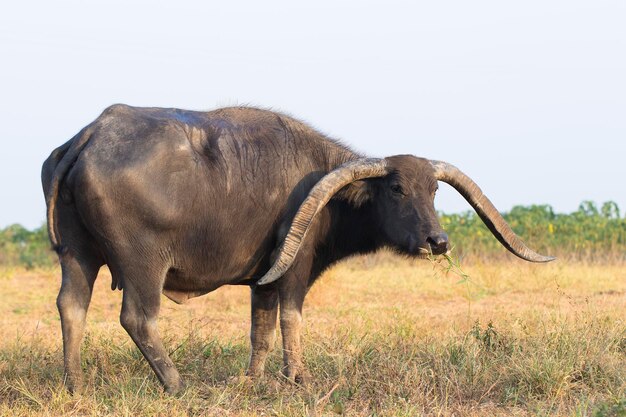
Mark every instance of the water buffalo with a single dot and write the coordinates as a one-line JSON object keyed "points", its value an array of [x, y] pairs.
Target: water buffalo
{"points": [[182, 202]]}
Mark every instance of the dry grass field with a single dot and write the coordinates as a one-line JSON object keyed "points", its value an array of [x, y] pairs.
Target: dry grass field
{"points": [[384, 336]]}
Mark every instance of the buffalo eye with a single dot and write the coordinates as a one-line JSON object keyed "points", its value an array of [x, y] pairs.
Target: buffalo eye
{"points": [[397, 189]]}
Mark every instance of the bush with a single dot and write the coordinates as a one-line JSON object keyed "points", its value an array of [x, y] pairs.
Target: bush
{"points": [[28, 248], [588, 233]]}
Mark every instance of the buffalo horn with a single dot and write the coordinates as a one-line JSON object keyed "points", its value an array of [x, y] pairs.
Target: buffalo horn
{"points": [[488, 213]]}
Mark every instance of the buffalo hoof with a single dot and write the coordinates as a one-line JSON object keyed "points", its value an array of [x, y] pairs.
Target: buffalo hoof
{"points": [[74, 385], [300, 378], [174, 388], [253, 373], [75, 389]]}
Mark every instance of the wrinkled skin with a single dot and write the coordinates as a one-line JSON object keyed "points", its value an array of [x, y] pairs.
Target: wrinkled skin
{"points": [[181, 203]]}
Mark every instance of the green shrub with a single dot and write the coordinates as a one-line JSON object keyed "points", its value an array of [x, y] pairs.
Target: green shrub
{"points": [[28, 248], [588, 233]]}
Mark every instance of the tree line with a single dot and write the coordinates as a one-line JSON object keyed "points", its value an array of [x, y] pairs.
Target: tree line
{"points": [[590, 233]]}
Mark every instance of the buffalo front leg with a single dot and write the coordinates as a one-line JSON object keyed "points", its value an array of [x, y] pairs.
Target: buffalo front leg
{"points": [[263, 327], [140, 310], [291, 301], [73, 302]]}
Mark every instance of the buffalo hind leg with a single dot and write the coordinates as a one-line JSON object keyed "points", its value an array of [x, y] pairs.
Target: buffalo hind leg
{"points": [[140, 309], [73, 302], [263, 327]]}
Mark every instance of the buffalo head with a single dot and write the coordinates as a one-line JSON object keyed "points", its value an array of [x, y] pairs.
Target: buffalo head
{"points": [[404, 201], [402, 188]]}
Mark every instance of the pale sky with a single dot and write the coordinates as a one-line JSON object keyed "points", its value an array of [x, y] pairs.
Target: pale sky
{"points": [[528, 98]]}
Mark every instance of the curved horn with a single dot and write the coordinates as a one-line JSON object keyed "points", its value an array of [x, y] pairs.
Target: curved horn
{"points": [[488, 213], [319, 195]]}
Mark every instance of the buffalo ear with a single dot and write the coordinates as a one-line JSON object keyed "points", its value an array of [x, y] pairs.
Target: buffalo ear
{"points": [[357, 192]]}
